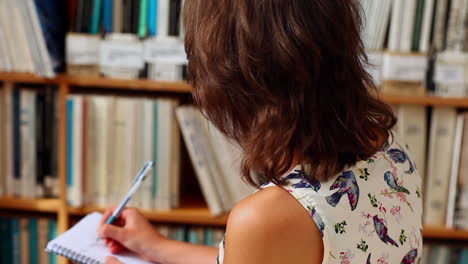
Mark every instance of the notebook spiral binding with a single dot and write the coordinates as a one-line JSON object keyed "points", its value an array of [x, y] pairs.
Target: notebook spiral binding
{"points": [[72, 255]]}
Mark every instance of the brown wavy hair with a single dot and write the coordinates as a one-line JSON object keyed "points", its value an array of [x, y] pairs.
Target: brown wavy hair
{"points": [[286, 79]]}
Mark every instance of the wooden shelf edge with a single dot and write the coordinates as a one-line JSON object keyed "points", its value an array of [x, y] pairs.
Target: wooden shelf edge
{"points": [[183, 87], [99, 82], [33, 205], [425, 100], [436, 232], [197, 216]]}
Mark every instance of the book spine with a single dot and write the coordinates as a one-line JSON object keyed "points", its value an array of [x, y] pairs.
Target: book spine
{"points": [[53, 259], [174, 15], [427, 25], [8, 139], [135, 16], [452, 187], [70, 135], [176, 158], [74, 144], [155, 178], [439, 25], [164, 150], [16, 143], [152, 17], [16, 241], [28, 143], [148, 131], [96, 17], [188, 125], [440, 156], [143, 19], [127, 16], [42, 240], [79, 17], [118, 14], [163, 18], [108, 11], [33, 241], [41, 156], [396, 25], [3, 246], [46, 66], [417, 25], [408, 25]]}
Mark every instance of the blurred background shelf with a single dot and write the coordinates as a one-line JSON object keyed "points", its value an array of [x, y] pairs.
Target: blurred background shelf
{"points": [[183, 87], [32, 205], [435, 232], [187, 215]]}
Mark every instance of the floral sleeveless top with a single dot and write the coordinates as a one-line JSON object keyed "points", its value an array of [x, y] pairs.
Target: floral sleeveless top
{"points": [[369, 213]]}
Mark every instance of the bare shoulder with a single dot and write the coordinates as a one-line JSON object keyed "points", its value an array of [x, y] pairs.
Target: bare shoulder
{"points": [[271, 226]]}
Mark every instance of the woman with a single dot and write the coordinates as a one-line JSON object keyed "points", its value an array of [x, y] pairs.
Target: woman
{"points": [[285, 79]]}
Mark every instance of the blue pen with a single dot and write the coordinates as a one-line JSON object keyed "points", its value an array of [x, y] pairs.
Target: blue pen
{"points": [[135, 185]]}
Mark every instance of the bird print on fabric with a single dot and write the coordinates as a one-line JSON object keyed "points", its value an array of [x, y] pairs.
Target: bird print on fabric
{"points": [[410, 257], [399, 156], [382, 231], [304, 181], [346, 184], [368, 259], [318, 221], [392, 182]]}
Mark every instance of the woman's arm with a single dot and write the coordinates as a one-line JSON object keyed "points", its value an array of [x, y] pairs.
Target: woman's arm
{"points": [[133, 232], [272, 227]]}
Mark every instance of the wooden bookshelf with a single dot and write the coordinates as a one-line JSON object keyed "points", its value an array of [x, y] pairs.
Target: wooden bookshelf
{"points": [[30, 205], [197, 214], [183, 87]]}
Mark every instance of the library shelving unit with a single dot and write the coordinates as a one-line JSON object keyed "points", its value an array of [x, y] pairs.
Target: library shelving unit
{"points": [[189, 213]]}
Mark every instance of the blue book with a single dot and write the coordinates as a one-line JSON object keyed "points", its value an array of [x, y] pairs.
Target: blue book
{"points": [[108, 19], [152, 17], [53, 259], [15, 241], [16, 139], [33, 241], [70, 106], [193, 236], [180, 234], [209, 237], [96, 17]]}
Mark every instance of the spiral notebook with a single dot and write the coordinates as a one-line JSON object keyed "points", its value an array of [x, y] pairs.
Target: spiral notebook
{"points": [[80, 244]]}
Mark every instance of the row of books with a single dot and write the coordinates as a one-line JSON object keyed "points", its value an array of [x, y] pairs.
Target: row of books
{"points": [[440, 151], [444, 254], [415, 25], [436, 34], [32, 36], [127, 39], [141, 17], [207, 236], [109, 138], [24, 240], [28, 145]]}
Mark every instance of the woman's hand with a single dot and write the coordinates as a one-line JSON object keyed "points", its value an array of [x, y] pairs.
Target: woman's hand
{"points": [[130, 232]]}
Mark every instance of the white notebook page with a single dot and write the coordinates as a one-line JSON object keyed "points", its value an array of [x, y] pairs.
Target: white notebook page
{"points": [[82, 239]]}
